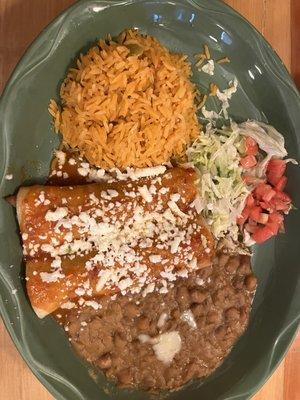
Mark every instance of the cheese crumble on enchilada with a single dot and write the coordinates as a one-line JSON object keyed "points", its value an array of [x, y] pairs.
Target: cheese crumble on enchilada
{"points": [[117, 236]]}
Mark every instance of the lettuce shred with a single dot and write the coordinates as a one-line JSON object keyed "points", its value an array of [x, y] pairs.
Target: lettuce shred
{"points": [[216, 155]]}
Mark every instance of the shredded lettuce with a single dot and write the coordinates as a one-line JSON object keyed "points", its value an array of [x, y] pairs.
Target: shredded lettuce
{"points": [[266, 136], [269, 140], [216, 154]]}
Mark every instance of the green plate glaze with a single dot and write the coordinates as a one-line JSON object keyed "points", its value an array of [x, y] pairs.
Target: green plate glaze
{"points": [[266, 92]]}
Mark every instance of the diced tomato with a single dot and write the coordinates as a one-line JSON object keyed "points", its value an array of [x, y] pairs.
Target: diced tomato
{"points": [[244, 216], [250, 202], [280, 205], [276, 218], [275, 222], [262, 234], [255, 213], [283, 196], [264, 192], [248, 162], [280, 185], [269, 195], [265, 206], [274, 228], [251, 147], [275, 170], [281, 202], [251, 228]]}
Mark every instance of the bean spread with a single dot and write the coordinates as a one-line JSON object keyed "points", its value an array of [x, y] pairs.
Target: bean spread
{"points": [[163, 340]]}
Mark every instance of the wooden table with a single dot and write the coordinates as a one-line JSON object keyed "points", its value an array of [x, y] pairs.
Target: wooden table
{"points": [[20, 22]]}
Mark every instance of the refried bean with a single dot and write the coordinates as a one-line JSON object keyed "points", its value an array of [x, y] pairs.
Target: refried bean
{"points": [[206, 313]]}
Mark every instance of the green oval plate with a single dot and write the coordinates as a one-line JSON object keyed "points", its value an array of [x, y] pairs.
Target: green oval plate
{"points": [[266, 92]]}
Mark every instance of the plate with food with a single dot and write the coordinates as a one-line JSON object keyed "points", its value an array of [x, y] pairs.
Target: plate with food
{"points": [[149, 204]]}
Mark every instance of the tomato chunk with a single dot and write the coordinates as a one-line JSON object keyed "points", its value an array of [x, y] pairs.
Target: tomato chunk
{"points": [[255, 213], [266, 206], [250, 202], [251, 147], [275, 170], [264, 192], [275, 222], [262, 234], [280, 185], [274, 228], [248, 162], [283, 196], [281, 202], [268, 196], [276, 218]]}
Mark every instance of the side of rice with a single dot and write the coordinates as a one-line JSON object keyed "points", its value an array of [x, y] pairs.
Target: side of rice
{"points": [[129, 102]]}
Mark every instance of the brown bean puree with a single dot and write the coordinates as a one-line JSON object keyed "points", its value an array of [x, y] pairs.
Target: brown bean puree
{"points": [[162, 341]]}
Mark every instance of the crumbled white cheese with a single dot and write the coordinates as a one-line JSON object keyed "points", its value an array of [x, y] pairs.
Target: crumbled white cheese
{"points": [[85, 165], [125, 283], [81, 301], [68, 305], [9, 177], [144, 192], [80, 292], [200, 281], [83, 171], [112, 193], [163, 190], [61, 157], [149, 289], [56, 215], [169, 216], [24, 236], [143, 338], [93, 304], [155, 259], [175, 197], [162, 320], [193, 263], [175, 244], [226, 95], [56, 263], [72, 161], [176, 210], [69, 237], [183, 273], [188, 317], [209, 67], [50, 277], [198, 204], [147, 172], [105, 276], [169, 344]]}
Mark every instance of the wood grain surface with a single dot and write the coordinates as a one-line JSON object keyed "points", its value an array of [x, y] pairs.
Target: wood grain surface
{"points": [[20, 22]]}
